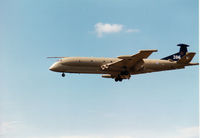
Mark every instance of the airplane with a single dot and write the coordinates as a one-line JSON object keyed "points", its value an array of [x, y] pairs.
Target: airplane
{"points": [[124, 66]]}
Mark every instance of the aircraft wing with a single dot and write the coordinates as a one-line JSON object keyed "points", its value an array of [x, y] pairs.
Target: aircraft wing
{"points": [[130, 61]]}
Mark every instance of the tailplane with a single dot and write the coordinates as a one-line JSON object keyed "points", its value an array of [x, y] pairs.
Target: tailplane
{"points": [[179, 55], [187, 58]]}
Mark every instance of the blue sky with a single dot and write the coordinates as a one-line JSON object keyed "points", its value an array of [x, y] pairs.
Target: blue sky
{"points": [[38, 103]]}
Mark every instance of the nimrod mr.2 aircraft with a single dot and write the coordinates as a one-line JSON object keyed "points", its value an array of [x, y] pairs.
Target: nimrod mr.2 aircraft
{"points": [[123, 67]]}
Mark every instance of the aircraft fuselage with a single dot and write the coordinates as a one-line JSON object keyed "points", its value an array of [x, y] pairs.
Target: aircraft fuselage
{"points": [[94, 65], [124, 66]]}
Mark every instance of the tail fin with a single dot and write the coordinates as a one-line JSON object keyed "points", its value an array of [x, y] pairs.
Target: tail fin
{"points": [[179, 55]]}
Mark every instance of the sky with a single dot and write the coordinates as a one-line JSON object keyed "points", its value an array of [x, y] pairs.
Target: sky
{"points": [[38, 103]]}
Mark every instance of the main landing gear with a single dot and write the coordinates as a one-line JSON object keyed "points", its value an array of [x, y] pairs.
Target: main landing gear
{"points": [[123, 75], [118, 79], [63, 74]]}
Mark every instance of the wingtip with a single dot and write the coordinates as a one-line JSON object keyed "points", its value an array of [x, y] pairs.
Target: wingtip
{"points": [[149, 50]]}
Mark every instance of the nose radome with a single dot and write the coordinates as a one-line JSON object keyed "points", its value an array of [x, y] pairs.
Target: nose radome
{"points": [[53, 67]]}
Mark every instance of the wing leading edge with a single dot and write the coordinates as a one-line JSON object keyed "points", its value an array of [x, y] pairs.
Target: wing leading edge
{"points": [[128, 62]]}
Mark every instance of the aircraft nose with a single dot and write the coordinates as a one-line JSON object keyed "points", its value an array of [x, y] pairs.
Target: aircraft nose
{"points": [[54, 67]]}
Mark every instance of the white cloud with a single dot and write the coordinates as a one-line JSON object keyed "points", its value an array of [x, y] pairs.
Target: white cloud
{"points": [[189, 132], [79, 137], [106, 28], [6, 127], [101, 28], [132, 30], [85, 137]]}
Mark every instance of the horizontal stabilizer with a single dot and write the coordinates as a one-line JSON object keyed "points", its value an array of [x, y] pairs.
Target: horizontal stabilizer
{"points": [[186, 58], [192, 64]]}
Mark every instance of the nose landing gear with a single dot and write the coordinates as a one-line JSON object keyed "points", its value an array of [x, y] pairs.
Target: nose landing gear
{"points": [[63, 74]]}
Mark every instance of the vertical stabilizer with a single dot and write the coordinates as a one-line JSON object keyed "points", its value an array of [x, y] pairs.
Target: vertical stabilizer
{"points": [[182, 52]]}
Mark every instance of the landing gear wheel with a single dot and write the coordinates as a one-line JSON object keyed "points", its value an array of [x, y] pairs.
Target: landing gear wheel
{"points": [[124, 73], [120, 79], [63, 74]]}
